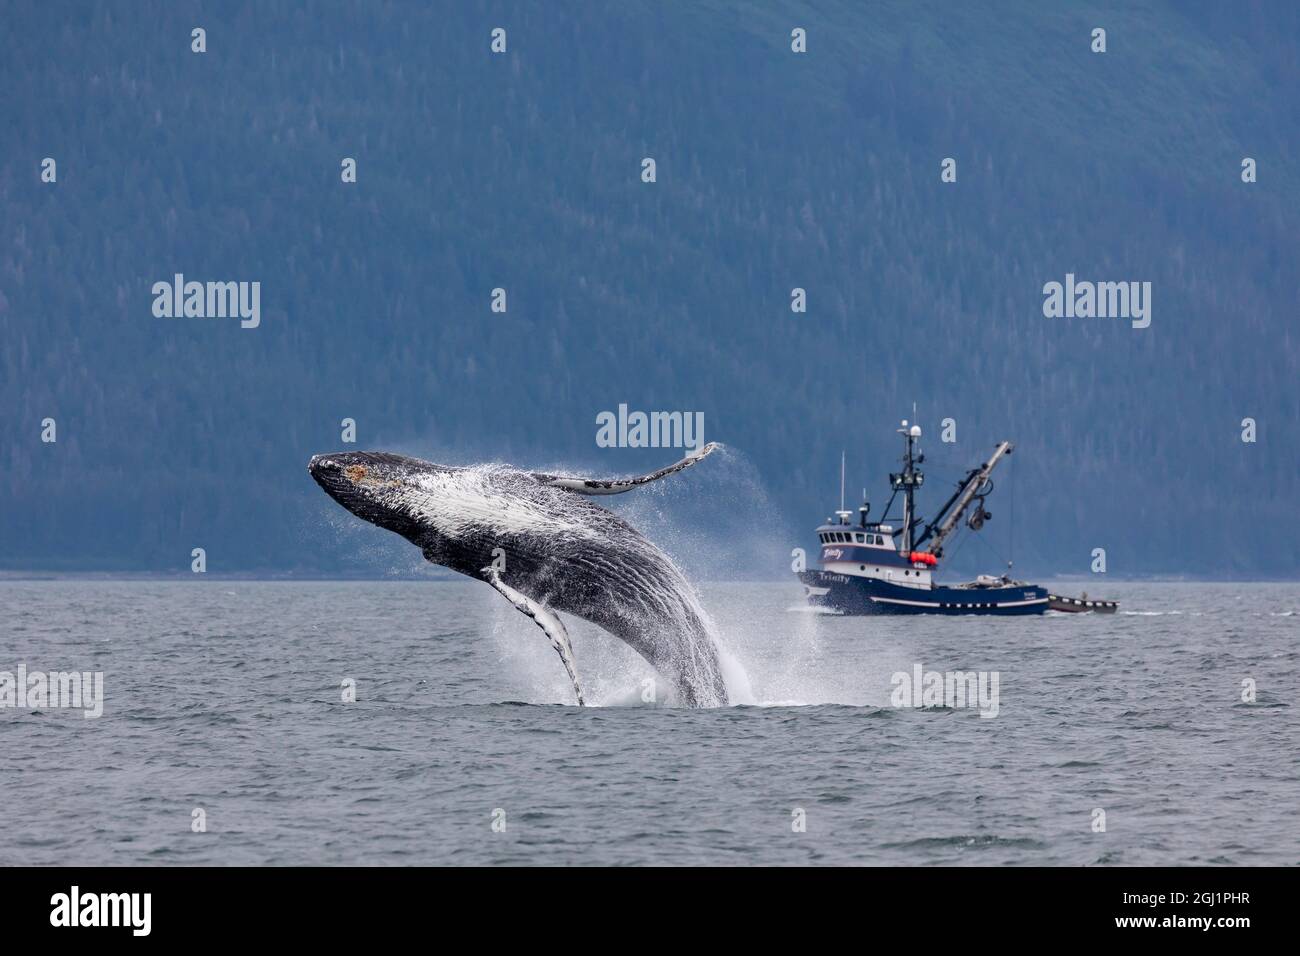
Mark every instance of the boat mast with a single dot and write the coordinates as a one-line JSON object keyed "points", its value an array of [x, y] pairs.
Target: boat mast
{"points": [[908, 480]]}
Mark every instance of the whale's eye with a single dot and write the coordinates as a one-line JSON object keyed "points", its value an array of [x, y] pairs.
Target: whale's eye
{"points": [[355, 472]]}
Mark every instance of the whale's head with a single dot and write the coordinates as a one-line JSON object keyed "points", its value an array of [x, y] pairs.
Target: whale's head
{"points": [[387, 490]]}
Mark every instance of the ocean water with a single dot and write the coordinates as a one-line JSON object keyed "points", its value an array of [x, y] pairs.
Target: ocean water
{"points": [[227, 697]]}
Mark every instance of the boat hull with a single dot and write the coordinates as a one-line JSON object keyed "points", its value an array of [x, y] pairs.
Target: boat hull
{"points": [[851, 594]]}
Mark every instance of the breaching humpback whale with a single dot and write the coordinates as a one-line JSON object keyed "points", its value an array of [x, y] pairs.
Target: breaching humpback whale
{"points": [[545, 547]]}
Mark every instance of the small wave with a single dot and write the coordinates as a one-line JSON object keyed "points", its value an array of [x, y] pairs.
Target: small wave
{"points": [[1260, 705], [870, 711], [1108, 858], [980, 841]]}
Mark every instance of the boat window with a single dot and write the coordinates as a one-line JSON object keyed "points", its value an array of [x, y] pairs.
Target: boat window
{"points": [[859, 536]]}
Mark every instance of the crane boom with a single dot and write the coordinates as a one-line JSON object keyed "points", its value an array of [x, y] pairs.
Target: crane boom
{"points": [[967, 494]]}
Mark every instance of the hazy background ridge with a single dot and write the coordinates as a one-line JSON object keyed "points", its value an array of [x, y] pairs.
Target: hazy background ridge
{"points": [[775, 171]]}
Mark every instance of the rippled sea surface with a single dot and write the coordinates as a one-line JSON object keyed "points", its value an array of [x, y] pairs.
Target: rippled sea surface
{"points": [[227, 697]]}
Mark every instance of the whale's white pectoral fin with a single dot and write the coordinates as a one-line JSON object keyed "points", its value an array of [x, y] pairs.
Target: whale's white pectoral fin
{"points": [[544, 618], [616, 486]]}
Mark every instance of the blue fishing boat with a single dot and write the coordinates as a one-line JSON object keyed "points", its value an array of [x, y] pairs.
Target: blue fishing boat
{"points": [[879, 567]]}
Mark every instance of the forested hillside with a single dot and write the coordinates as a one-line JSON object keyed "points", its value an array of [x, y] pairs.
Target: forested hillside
{"points": [[775, 170]]}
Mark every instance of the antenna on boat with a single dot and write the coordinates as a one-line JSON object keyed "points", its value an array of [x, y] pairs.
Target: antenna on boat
{"points": [[842, 514], [841, 479]]}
